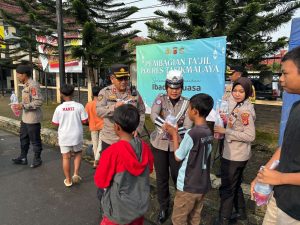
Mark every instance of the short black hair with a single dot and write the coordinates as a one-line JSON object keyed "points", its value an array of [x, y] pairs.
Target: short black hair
{"points": [[293, 55], [96, 90], [127, 117], [67, 89], [203, 103], [24, 69]]}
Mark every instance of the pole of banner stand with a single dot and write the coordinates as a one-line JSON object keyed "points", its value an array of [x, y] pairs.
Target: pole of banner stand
{"points": [[2, 81], [60, 35], [46, 87], [78, 86]]}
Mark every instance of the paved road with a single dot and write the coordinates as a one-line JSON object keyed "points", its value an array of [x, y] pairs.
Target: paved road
{"points": [[38, 196]]}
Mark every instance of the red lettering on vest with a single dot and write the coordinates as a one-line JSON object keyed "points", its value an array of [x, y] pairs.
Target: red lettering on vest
{"points": [[69, 109]]}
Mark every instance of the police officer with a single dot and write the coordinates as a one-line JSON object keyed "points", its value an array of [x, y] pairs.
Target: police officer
{"points": [[111, 97], [234, 73], [165, 104], [30, 131], [239, 133]]}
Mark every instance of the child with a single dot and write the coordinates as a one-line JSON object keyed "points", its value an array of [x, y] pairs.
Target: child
{"points": [[123, 171], [95, 124], [193, 180], [69, 117]]}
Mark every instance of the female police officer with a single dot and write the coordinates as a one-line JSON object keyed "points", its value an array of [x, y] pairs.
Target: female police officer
{"points": [[165, 104]]}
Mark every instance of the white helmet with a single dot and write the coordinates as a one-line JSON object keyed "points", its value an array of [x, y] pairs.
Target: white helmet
{"points": [[174, 79]]}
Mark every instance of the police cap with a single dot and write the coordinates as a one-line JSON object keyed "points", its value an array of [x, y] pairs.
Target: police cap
{"points": [[119, 70], [24, 69]]}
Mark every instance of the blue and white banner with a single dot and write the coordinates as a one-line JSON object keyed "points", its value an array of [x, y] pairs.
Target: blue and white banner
{"points": [[202, 62]]}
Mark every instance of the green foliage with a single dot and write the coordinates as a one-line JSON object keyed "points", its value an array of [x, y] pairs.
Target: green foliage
{"points": [[275, 67], [133, 43], [103, 34], [247, 25]]}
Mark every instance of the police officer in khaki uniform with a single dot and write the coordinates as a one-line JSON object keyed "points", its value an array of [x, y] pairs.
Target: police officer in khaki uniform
{"points": [[239, 133], [30, 131], [111, 97], [170, 103]]}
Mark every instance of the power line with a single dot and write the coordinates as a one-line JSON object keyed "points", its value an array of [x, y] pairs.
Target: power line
{"points": [[133, 2], [141, 19], [154, 6]]}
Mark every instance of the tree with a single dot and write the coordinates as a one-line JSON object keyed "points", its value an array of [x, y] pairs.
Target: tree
{"points": [[99, 21], [103, 33], [247, 25], [29, 18]]}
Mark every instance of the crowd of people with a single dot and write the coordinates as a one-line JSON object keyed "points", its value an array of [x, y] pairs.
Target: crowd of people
{"points": [[181, 146]]}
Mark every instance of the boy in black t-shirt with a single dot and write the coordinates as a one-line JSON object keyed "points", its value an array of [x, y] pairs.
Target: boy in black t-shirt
{"points": [[284, 207], [193, 180]]}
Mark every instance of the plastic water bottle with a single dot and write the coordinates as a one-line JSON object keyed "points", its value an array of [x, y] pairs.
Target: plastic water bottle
{"points": [[13, 102], [170, 119], [219, 123], [13, 98], [263, 191], [224, 111]]}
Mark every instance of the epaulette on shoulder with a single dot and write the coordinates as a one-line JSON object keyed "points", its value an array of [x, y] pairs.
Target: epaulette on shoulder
{"points": [[185, 98]]}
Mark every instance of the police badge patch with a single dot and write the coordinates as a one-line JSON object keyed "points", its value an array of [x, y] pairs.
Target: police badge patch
{"points": [[245, 118], [33, 91], [100, 97]]}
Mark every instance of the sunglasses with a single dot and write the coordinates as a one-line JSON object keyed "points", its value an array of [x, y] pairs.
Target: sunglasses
{"points": [[122, 78]]}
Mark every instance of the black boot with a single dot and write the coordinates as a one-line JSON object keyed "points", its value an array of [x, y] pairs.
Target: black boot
{"points": [[221, 221], [37, 161], [20, 160], [239, 215], [163, 215]]}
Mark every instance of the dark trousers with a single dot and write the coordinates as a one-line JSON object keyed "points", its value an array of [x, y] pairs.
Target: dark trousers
{"points": [[104, 146], [231, 193], [100, 191], [164, 161], [30, 133]]}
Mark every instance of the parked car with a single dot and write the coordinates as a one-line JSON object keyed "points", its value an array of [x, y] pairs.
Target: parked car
{"points": [[266, 85]]}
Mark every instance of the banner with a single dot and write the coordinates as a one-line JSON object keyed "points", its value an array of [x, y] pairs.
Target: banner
{"points": [[202, 62], [48, 49], [289, 99], [2, 36]]}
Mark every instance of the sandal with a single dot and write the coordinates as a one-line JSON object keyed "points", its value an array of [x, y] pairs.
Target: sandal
{"points": [[76, 179], [67, 184]]}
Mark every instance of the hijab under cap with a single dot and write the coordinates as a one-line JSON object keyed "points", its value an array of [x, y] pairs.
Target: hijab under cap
{"points": [[246, 84]]}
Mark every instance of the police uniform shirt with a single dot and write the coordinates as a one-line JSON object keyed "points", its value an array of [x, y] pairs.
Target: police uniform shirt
{"points": [[32, 101], [107, 99], [240, 131], [161, 108]]}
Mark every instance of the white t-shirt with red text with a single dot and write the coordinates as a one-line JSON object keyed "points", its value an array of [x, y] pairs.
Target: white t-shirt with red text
{"points": [[69, 117]]}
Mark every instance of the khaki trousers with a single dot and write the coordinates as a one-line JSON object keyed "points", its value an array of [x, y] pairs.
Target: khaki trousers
{"points": [[275, 216], [96, 141], [187, 208]]}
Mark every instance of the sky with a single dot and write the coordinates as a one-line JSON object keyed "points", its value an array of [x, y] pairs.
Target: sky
{"points": [[284, 30]]}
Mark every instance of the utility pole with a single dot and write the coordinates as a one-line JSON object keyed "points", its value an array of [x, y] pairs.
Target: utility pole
{"points": [[60, 35]]}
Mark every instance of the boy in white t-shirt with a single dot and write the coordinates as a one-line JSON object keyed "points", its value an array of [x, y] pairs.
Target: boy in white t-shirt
{"points": [[69, 117]]}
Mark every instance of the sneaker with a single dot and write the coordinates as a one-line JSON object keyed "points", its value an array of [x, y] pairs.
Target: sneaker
{"points": [[20, 160], [67, 184], [76, 179]]}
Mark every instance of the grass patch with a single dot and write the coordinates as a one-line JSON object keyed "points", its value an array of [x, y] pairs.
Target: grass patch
{"points": [[269, 141]]}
